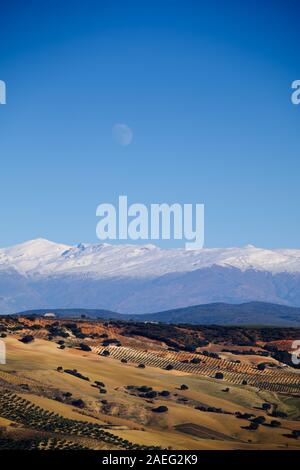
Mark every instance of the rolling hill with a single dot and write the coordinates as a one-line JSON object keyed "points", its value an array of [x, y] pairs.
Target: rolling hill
{"points": [[252, 313]]}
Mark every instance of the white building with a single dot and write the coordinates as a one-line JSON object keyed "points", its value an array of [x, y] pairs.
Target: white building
{"points": [[50, 315]]}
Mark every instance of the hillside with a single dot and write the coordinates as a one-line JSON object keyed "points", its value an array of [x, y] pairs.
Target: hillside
{"points": [[117, 385], [253, 313]]}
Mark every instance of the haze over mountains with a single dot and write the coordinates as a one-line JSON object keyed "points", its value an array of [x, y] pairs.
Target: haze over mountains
{"points": [[138, 279]]}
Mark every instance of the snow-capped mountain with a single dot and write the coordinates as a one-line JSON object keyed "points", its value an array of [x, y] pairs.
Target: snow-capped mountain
{"points": [[138, 279], [42, 257]]}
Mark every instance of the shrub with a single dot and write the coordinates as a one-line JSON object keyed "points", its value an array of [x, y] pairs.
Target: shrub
{"points": [[184, 387], [252, 426], [219, 375], [150, 395], [78, 403], [266, 406], [195, 360], [99, 384], [75, 373], [109, 341], [259, 420], [275, 424], [240, 415], [27, 339], [160, 409], [144, 389], [279, 414], [84, 347]]}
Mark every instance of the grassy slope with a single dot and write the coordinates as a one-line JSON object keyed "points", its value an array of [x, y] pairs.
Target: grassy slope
{"points": [[39, 360]]}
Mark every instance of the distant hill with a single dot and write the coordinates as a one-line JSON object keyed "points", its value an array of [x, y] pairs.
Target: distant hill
{"points": [[74, 313], [251, 313]]}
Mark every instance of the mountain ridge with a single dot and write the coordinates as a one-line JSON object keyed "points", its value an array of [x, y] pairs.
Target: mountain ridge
{"points": [[137, 279], [93, 258], [219, 313]]}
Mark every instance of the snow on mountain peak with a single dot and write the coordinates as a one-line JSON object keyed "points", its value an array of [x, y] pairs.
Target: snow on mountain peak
{"points": [[42, 257], [32, 254], [37, 245]]}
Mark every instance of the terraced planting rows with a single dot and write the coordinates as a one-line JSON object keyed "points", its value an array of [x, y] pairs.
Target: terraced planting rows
{"points": [[268, 379], [22, 411], [39, 444]]}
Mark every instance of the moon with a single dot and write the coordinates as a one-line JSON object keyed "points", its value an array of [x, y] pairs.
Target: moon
{"points": [[122, 134]]}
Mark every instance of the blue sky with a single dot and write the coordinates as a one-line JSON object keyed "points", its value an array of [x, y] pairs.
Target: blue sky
{"points": [[205, 87]]}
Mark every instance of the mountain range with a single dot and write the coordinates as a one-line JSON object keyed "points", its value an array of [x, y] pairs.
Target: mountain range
{"points": [[136, 279]]}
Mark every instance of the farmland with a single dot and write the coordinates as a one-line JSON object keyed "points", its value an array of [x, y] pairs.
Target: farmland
{"points": [[87, 384]]}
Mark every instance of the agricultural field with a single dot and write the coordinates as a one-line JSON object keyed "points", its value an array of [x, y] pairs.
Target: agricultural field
{"points": [[80, 384]]}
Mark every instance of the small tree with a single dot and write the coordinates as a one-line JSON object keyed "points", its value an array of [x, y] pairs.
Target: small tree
{"points": [[219, 375], [27, 339], [160, 409], [275, 424], [195, 360], [78, 403], [266, 406], [253, 426], [99, 384], [85, 347], [259, 420]]}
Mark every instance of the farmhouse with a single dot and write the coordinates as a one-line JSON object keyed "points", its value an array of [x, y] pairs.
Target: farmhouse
{"points": [[49, 315]]}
